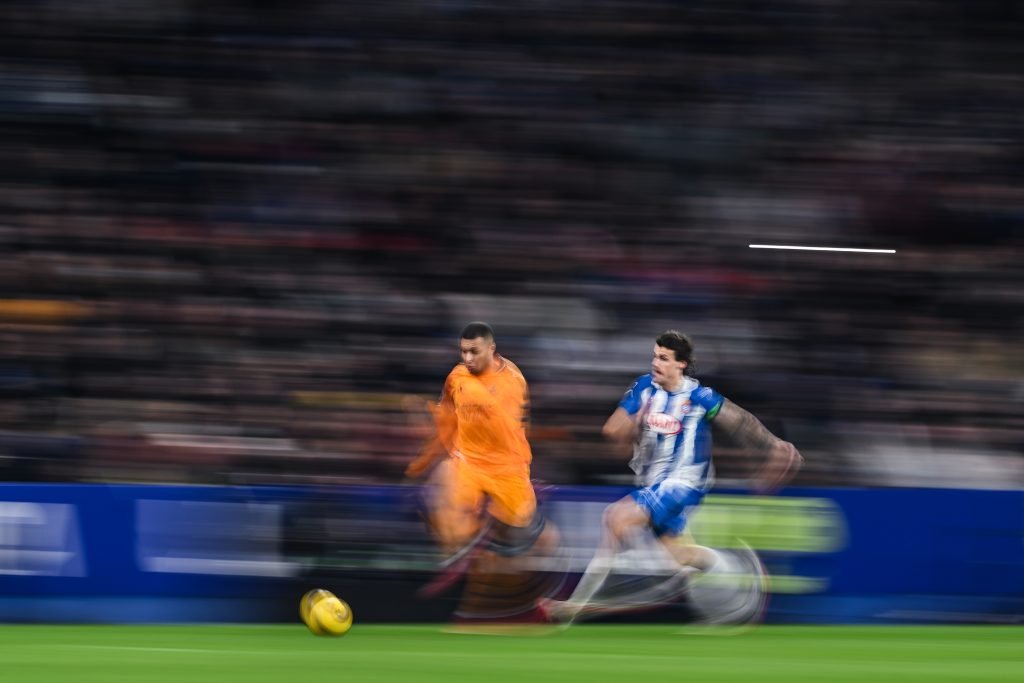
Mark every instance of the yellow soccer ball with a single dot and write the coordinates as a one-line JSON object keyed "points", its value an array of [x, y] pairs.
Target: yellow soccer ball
{"points": [[324, 613], [308, 600]]}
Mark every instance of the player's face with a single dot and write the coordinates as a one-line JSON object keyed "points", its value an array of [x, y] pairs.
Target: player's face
{"points": [[477, 354], [667, 371]]}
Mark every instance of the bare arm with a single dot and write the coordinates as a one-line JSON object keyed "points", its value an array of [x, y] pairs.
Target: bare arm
{"points": [[620, 428], [746, 429], [782, 459]]}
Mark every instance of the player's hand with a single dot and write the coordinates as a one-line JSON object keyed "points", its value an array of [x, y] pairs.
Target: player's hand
{"points": [[783, 462], [424, 463], [419, 467]]}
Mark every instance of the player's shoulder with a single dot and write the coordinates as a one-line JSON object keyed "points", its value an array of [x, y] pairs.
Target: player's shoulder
{"points": [[641, 386], [642, 382], [508, 366], [697, 389], [637, 393], [459, 372], [511, 368], [704, 395]]}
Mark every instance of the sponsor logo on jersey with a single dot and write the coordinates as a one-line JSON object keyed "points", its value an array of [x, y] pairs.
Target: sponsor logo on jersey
{"points": [[663, 423]]}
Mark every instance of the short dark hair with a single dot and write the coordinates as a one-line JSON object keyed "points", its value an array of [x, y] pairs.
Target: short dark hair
{"points": [[680, 344], [478, 329]]}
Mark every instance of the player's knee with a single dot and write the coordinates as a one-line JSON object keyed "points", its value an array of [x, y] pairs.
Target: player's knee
{"points": [[455, 530], [616, 521], [621, 519], [608, 519]]}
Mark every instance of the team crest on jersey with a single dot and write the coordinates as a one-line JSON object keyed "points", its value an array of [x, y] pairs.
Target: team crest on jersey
{"points": [[663, 423]]}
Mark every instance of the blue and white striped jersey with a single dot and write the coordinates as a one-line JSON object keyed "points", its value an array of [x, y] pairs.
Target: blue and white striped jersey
{"points": [[675, 438]]}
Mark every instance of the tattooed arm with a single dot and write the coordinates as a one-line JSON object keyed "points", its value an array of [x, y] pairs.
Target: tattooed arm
{"points": [[744, 428], [782, 459]]}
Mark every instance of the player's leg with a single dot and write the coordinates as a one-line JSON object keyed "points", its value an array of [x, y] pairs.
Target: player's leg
{"points": [[457, 504], [619, 521], [508, 574], [733, 591], [634, 525], [520, 527], [688, 554], [671, 506], [682, 546], [724, 586], [458, 521]]}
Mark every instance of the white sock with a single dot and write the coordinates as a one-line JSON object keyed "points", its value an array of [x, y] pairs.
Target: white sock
{"points": [[722, 564], [593, 578]]}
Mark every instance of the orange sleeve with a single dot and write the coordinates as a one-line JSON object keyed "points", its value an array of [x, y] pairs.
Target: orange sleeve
{"points": [[445, 428], [445, 419], [517, 395], [525, 419]]}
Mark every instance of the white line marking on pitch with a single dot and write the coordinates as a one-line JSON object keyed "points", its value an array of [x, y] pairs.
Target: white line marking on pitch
{"points": [[167, 649]]}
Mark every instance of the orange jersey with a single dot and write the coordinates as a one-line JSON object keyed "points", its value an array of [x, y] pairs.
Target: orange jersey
{"points": [[482, 418]]}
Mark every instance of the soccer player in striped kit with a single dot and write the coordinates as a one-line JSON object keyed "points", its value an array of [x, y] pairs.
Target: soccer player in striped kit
{"points": [[667, 415]]}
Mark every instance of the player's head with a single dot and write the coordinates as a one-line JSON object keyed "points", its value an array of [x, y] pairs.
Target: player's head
{"points": [[673, 355], [477, 347]]}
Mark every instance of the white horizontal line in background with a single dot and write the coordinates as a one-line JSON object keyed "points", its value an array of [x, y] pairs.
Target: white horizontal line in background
{"points": [[798, 248]]}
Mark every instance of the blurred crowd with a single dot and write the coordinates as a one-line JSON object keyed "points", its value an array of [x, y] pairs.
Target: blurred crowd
{"points": [[240, 239]]}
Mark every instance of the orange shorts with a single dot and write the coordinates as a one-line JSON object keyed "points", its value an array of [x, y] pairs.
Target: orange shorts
{"points": [[511, 496]]}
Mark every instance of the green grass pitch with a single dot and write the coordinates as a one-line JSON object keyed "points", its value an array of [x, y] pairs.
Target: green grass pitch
{"points": [[591, 653]]}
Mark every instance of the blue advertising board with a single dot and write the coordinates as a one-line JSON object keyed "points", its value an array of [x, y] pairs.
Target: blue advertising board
{"points": [[149, 553]]}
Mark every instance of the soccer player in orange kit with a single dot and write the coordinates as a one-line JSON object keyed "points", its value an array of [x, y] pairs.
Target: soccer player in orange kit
{"points": [[479, 460]]}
